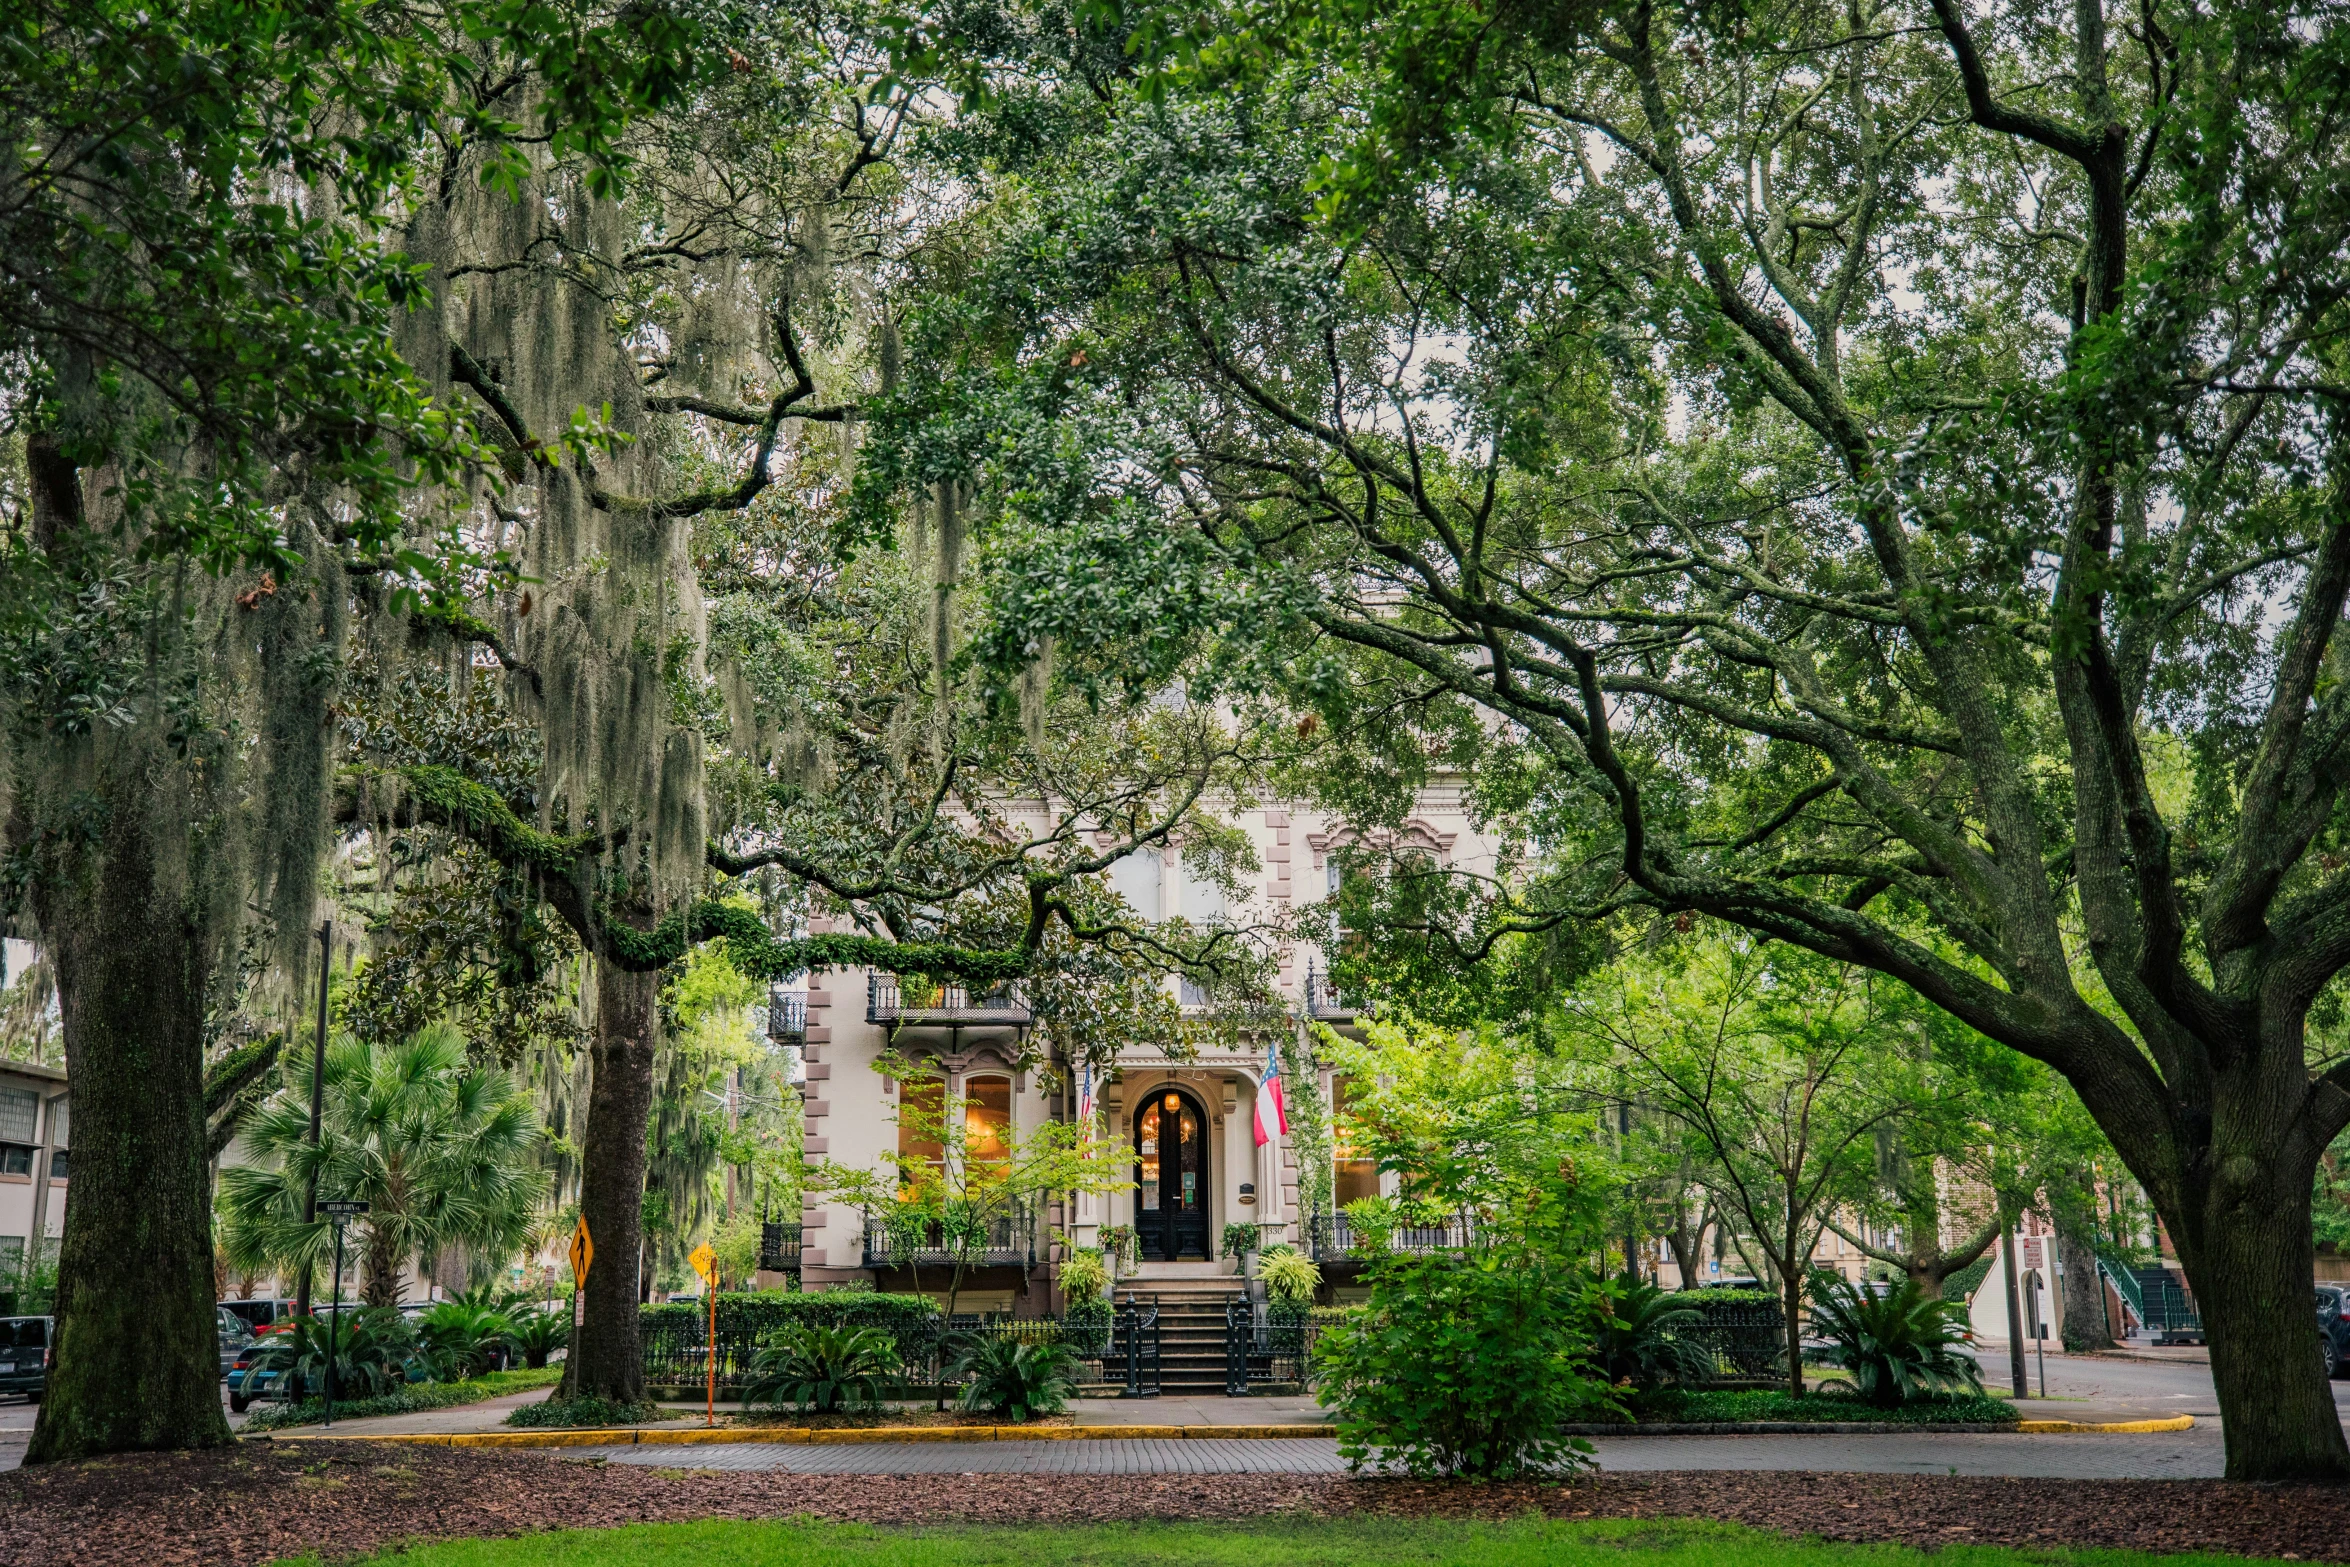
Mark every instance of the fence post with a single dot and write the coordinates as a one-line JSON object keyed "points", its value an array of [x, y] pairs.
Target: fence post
{"points": [[1239, 1317], [1130, 1320]]}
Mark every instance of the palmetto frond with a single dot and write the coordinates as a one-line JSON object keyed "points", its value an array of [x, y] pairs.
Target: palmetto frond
{"points": [[444, 1151]]}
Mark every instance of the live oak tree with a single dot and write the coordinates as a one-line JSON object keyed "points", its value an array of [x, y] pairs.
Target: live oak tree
{"points": [[1883, 468], [210, 429]]}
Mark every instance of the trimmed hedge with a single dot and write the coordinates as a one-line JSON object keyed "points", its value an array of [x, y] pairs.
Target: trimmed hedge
{"points": [[412, 1399], [760, 1311], [1699, 1406]]}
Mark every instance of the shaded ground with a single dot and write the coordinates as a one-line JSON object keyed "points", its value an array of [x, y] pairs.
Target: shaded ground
{"points": [[250, 1504]]}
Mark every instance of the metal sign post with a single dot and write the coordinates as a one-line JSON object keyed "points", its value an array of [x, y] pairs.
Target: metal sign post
{"points": [[340, 1215], [705, 1263]]}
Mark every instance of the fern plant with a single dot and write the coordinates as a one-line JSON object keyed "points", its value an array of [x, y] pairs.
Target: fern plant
{"points": [[1901, 1345], [1014, 1379], [1643, 1336], [823, 1369]]}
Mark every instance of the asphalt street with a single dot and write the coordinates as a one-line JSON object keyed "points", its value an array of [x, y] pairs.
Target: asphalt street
{"points": [[2079, 1388]]}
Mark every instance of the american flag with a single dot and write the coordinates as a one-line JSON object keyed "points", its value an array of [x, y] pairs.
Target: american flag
{"points": [[1271, 1089], [1085, 1100]]}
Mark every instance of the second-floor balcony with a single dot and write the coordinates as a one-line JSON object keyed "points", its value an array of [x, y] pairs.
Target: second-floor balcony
{"points": [[1323, 1002], [787, 1016], [1008, 1239], [924, 1003], [779, 1248], [1331, 1237]]}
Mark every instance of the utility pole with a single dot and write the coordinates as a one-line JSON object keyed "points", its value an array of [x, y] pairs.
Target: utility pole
{"points": [[326, 930]]}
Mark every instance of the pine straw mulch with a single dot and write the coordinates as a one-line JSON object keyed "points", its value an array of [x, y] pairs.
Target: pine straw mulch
{"points": [[253, 1503]]}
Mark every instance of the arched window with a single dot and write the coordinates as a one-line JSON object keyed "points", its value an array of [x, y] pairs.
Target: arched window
{"points": [[987, 1119]]}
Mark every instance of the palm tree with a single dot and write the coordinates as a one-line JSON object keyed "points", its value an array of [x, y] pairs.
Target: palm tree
{"points": [[442, 1149]]}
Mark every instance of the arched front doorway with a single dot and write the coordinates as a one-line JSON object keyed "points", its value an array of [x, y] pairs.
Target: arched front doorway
{"points": [[1171, 1177]]}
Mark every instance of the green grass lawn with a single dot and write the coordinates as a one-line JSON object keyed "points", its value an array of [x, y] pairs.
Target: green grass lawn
{"points": [[1272, 1543]]}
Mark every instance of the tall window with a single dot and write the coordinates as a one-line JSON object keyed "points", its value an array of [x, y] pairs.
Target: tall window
{"points": [[19, 1109], [987, 1119], [1136, 879], [920, 1100], [1355, 1176]]}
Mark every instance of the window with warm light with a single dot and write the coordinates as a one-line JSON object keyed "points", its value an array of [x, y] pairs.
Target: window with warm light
{"points": [[1355, 1176], [920, 1101], [987, 1119]]}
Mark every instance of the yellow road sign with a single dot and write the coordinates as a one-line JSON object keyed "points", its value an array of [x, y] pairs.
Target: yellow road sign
{"points": [[583, 1253], [705, 1262]]}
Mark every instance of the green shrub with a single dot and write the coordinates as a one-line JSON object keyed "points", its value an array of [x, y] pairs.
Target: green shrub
{"points": [[1643, 1336], [1701, 1405], [1090, 1325], [1462, 1365], [371, 1351], [586, 1413], [1084, 1276], [1016, 1379], [759, 1314], [415, 1398], [1239, 1239], [457, 1339], [1898, 1346], [537, 1334], [1289, 1277], [823, 1369]]}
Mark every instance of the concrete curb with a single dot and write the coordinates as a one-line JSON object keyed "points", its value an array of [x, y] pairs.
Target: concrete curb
{"points": [[702, 1436], [1882, 1428]]}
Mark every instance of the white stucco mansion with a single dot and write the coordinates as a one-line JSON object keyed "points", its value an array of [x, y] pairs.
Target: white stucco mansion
{"points": [[1191, 1123]]}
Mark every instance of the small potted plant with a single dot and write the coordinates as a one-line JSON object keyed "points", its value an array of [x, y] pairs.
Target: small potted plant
{"points": [[1121, 1249], [1240, 1244]]}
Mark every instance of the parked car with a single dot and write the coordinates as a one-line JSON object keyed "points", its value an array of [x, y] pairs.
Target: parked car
{"points": [[245, 1390], [2333, 1326], [258, 1314], [24, 1356], [234, 1336]]}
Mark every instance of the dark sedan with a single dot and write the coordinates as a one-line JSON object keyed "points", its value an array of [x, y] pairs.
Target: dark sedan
{"points": [[2333, 1326], [24, 1356]]}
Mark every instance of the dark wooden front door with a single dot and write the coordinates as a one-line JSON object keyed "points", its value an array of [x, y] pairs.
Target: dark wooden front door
{"points": [[1171, 1177]]}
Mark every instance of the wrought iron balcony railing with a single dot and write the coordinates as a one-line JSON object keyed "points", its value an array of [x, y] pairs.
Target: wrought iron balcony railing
{"points": [[787, 1015], [1008, 1240], [779, 1248], [1331, 1237], [891, 998], [1323, 1000]]}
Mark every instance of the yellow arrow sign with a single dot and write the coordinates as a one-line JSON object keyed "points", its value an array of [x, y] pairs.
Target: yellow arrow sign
{"points": [[583, 1253], [705, 1263]]}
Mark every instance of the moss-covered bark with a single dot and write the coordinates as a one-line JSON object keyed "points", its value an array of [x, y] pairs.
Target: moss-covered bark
{"points": [[136, 1365], [606, 1358]]}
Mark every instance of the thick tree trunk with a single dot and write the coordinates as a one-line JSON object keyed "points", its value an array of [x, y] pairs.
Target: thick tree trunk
{"points": [[607, 1358], [2072, 1201], [2251, 1276], [137, 1364]]}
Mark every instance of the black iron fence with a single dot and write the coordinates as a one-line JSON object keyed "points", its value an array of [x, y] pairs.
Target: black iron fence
{"points": [[1748, 1338], [1267, 1345], [1121, 1350]]}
